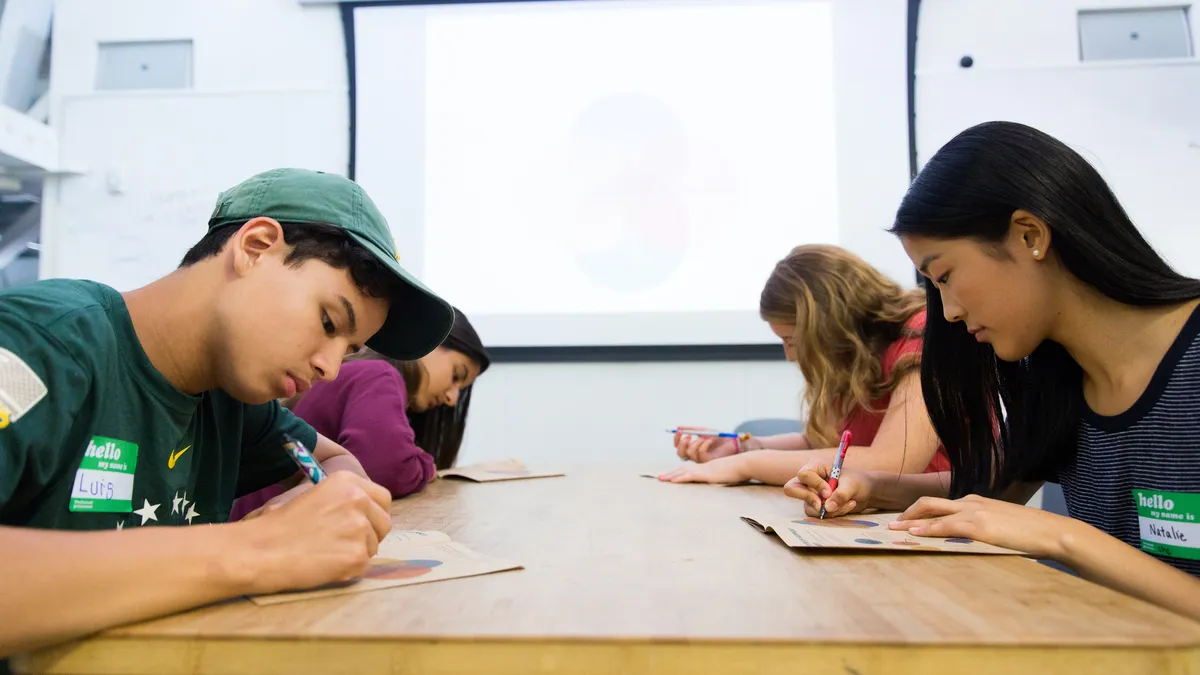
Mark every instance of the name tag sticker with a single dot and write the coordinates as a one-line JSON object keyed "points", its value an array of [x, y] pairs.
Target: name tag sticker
{"points": [[104, 481], [1169, 523]]}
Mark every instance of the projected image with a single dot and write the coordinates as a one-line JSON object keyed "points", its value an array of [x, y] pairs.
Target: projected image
{"points": [[628, 227], [617, 171], [618, 176]]}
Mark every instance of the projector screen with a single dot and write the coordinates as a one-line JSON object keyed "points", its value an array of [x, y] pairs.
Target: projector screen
{"points": [[627, 172]]}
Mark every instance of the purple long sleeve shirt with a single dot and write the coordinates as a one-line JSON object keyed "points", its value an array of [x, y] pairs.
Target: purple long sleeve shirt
{"points": [[365, 411]]}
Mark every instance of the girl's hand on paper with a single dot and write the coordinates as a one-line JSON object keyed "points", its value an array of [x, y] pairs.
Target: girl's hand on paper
{"points": [[733, 469], [701, 449], [811, 485], [1021, 528]]}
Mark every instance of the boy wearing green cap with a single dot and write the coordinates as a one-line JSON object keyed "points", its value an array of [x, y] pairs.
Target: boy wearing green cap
{"points": [[121, 412]]}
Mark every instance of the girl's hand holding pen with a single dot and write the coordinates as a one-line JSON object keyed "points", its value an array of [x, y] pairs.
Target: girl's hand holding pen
{"points": [[700, 445], [811, 485]]}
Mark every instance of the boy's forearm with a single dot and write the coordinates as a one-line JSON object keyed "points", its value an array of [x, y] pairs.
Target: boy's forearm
{"points": [[55, 586]]}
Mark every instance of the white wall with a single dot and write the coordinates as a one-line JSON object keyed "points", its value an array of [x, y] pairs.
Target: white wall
{"points": [[875, 83], [1011, 34], [1136, 121], [617, 412], [151, 174], [240, 45], [544, 413]]}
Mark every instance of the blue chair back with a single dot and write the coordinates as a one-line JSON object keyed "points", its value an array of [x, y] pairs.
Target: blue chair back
{"points": [[770, 426]]}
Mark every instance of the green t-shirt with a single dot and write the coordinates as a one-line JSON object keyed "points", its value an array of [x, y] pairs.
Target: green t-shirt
{"points": [[93, 437]]}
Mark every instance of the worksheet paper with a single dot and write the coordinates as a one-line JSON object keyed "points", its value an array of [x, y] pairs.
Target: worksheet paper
{"points": [[863, 533], [405, 557], [496, 470]]}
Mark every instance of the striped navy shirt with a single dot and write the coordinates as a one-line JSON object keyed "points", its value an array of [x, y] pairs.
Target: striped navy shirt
{"points": [[1154, 445]]}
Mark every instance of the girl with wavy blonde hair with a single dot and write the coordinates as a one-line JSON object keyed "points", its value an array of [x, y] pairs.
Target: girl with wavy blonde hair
{"points": [[856, 336]]}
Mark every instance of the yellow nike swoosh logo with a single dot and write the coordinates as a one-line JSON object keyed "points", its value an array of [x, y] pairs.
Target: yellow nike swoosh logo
{"points": [[174, 456]]}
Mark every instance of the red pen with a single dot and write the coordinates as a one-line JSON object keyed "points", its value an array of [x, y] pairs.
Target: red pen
{"points": [[837, 466]]}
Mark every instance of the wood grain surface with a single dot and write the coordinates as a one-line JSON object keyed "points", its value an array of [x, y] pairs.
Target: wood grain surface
{"points": [[626, 574]]}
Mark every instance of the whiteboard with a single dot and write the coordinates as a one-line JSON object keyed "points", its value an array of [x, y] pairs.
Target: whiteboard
{"points": [[154, 165], [1137, 123]]}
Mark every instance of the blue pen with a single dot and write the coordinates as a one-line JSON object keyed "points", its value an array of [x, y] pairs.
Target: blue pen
{"points": [[709, 434], [304, 459]]}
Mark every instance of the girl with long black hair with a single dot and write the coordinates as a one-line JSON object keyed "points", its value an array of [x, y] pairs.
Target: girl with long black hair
{"points": [[1059, 346]]}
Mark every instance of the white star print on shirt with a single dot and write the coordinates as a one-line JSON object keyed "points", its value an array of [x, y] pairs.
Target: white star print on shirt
{"points": [[191, 513], [120, 524], [147, 511], [175, 503]]}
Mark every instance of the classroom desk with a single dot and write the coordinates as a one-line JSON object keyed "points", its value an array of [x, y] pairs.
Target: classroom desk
{"points": [[628, 575]]}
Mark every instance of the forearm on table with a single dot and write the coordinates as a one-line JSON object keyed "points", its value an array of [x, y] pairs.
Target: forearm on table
{"points": [[773, 467], [401, 474], [55, 586], [777, 467], [792, 441], [1102, 559]]}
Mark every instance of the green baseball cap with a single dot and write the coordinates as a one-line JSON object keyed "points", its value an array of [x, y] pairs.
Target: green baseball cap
{"points": [[418, 320]]}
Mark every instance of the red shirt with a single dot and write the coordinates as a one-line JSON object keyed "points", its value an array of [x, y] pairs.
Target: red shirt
{"points": [[865, 424]]}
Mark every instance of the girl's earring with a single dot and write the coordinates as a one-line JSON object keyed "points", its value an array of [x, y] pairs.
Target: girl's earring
{"points": [[1036, 252]]}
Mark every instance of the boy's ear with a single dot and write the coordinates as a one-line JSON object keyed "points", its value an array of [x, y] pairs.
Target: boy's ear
{"points": [[257, 237]]}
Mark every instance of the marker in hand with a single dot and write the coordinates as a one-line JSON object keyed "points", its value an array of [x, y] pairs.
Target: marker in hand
{"points": [[837, 466], [304, 459]]}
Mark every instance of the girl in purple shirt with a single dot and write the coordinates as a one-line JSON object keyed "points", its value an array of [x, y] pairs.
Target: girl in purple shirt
{"points": [[403, 420]]}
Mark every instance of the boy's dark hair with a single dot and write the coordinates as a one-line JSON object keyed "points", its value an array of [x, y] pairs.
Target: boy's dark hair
{"points": [[313, 241]]}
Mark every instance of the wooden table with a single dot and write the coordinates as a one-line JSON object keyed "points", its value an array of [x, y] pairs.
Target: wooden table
{"points": [[628, 575]]}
